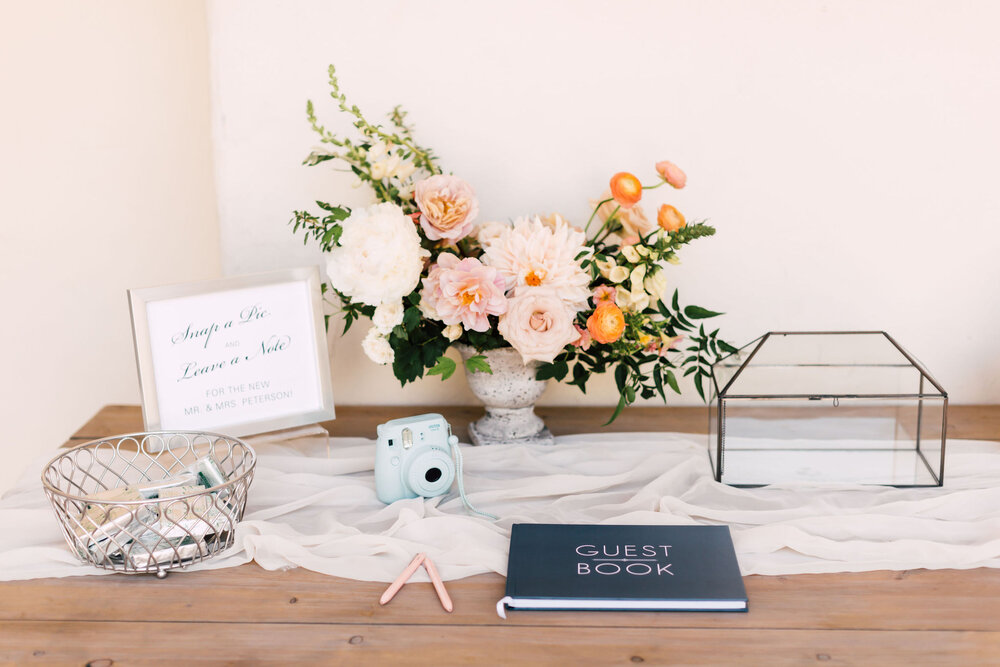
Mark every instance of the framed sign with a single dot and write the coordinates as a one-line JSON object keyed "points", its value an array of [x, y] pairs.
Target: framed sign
{"points": [[238, 356]]}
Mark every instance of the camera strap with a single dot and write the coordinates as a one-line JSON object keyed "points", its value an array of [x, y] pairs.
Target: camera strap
{"points": [[457, 455]]}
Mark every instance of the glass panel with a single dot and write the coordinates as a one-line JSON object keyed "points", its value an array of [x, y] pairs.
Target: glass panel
{"points": [[866, 441]]}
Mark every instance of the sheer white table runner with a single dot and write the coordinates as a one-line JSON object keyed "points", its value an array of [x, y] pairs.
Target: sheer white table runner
{"points": [[313, 505]]}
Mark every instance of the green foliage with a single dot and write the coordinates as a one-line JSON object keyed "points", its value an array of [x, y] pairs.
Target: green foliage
{"points": [[639, 372], [478, 364], [326, 230], [444, 367]]}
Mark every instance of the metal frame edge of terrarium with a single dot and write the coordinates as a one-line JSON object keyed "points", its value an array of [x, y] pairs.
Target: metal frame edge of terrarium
{"points": [[719, 408]]}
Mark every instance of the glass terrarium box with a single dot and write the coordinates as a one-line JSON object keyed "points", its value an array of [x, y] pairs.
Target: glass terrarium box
{"points": [[826, 407]]}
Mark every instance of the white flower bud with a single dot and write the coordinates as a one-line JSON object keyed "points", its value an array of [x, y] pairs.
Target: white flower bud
{"points": [[656, 283], [405, 170], [618, 274], [377, 347], [387, 315], [379, 170], [631, 254], [637, 276]]}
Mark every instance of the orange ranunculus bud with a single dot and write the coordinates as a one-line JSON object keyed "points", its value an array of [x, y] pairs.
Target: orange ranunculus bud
{"points": [[606, 323], [669, 218], [672, 174], [626, 189]]}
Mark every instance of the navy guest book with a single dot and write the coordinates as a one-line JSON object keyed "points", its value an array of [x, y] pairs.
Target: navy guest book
{"points": [[680, 568]]}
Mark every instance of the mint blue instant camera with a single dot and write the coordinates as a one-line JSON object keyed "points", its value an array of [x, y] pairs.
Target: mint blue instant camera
{"points": [[413, 458]]}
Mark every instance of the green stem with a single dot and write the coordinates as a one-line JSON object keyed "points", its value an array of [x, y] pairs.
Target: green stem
{"points": [[605, 228], [653, 187], [596, 208]]}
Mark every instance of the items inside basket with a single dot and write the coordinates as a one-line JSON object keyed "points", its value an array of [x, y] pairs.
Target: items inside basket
{"points": [[158, 523]]}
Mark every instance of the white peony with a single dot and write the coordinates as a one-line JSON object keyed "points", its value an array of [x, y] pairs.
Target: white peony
{"points": [[538, 324], [453, 332], [377, 347], [387, 315], [532, 254], [379, 257]]}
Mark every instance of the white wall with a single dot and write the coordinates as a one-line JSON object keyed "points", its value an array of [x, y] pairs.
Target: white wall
{"points": [[846, 151], [105, 184]]}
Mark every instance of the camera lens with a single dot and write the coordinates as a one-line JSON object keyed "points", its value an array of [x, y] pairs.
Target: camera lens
{"points": [[429, 472]]}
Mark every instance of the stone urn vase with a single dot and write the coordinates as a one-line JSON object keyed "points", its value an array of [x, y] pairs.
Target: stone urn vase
{"points": [[509, 394]]}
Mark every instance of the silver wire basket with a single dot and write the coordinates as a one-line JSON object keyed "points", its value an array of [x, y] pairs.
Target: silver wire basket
{"points": [[146, 503]]}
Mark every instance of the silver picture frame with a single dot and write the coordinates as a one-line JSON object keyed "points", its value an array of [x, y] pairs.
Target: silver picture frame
{"points": [[140, 298]]}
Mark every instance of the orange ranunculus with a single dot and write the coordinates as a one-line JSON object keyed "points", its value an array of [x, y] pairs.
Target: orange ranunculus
{"points": [[672, 174], [626, 189], [606, 323], [669, 218]]}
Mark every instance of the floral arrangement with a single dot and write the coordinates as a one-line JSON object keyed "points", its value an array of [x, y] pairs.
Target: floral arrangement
{"points": [[428, 272]]}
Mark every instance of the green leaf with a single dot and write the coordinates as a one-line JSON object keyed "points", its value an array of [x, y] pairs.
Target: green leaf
{"points": [[556, 370], [445, 367], [411, 318], [658, 379], [726, 347], [407, 365], [621, 375], [580, 376], [699, 313], [338, 213], [332, 236], [478, 364], [697, 385], [618, 410], [672, 381]]}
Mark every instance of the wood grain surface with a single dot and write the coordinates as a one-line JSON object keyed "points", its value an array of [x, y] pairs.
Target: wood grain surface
{"points": [[247, 614]]}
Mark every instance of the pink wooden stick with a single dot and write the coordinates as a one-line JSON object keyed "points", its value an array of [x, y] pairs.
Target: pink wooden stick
{"points": [[402, 578], [438, 585]]}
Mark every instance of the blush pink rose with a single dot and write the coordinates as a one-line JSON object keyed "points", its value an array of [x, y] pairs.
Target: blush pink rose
{"points": [[672, 174], [538, 324], [448, 207], [464, 291]]}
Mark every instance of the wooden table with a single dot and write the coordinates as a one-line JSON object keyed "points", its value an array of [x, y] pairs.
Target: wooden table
{"points": [[248, 614]]}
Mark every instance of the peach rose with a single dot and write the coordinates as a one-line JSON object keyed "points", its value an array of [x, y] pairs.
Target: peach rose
{"points": [[669, 218], [626, 189], [606, 323], [448, 206], [672, 174]]}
